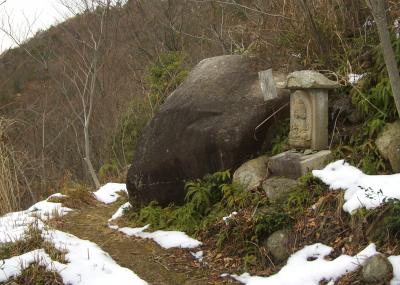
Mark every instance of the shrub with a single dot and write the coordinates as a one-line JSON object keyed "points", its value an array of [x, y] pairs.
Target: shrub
{"points": [[163, 76]]}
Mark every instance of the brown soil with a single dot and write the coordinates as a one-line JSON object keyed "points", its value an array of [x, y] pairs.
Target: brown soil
{"points": [[149, 261]]}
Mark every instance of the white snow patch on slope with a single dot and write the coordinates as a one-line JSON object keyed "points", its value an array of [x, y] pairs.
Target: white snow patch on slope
{"points": [[14, 225], [299, 270], [87, 263], [120, 212], [14, 265], [395, 261], [361, 190], [108, 193], [354, 78], [166, 239]]}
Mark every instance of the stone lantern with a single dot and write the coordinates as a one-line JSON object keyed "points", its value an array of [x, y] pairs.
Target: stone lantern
{"points": [[308, 134]]}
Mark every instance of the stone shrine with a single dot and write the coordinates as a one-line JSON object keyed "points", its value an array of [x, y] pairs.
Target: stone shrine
{"points": [[308, 134]]}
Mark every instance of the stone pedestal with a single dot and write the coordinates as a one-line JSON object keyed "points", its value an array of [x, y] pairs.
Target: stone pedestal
{"points": [[294, 164], [308, 125]]}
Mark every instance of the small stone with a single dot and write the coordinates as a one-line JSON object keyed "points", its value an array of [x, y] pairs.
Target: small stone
{"points": [[251, 173], [279, 188], [309, 79], [388, 143], [278, 245], [308, 151], [377, 268]]}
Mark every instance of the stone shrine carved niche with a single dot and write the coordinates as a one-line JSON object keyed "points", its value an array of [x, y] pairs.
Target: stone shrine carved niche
{"points": [[300, 134]]}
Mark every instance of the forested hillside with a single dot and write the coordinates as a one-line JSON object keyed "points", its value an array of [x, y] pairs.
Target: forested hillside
{"points": [[203, 142], [144, 50]]}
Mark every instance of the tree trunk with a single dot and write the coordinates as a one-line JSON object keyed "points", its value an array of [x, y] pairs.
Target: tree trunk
{"points": [[378, 9], [89, 164]]}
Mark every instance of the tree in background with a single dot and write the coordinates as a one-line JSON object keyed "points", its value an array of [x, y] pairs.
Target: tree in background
{"points": [[378, 8], [82, 67]]}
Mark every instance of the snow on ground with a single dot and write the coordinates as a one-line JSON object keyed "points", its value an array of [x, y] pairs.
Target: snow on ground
{"points": [[361, 190], [120, 212], [108, 193], [166, 239], [87, 263], [199, 255], [354, 78], [309, 266], [14, 225], [14, 265], [395, 261], [229, 217]]}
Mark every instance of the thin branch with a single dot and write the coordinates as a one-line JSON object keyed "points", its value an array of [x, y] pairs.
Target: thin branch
{"points": [[244, 7]]}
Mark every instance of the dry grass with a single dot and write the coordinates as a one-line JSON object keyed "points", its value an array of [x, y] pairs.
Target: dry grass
{"points": [[77, 195], [34, 274], [33, 240], [12, 180]]}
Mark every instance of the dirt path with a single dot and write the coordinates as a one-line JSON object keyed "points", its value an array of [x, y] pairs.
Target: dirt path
{"points": [[150, 262]]}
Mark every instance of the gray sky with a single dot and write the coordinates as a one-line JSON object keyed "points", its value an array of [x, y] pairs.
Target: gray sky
{"points": [[20, 14]]}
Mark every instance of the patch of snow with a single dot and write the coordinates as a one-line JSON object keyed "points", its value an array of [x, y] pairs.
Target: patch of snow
{"points": [[14, 225], [88, 264], [354, 78], [120, 212], [107, 194], [229, 217], [395, 261], [299, 270], [198, 255], [13, 266], [361, 190], [166, 239]]}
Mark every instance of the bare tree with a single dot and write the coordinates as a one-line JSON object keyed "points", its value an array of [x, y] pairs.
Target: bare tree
{"points": [[378, 8], [82, 69]]}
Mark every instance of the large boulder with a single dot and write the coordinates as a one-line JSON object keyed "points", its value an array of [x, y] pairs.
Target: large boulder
{"points": [[388, 143], [207, 124]]}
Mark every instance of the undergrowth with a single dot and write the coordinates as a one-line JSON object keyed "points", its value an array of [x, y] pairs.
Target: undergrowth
{"points": [[373, 98], [210, 199], [77, 195]]}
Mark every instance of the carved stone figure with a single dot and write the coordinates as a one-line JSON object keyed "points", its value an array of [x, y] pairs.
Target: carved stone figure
{"points": [[300, 120]]}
